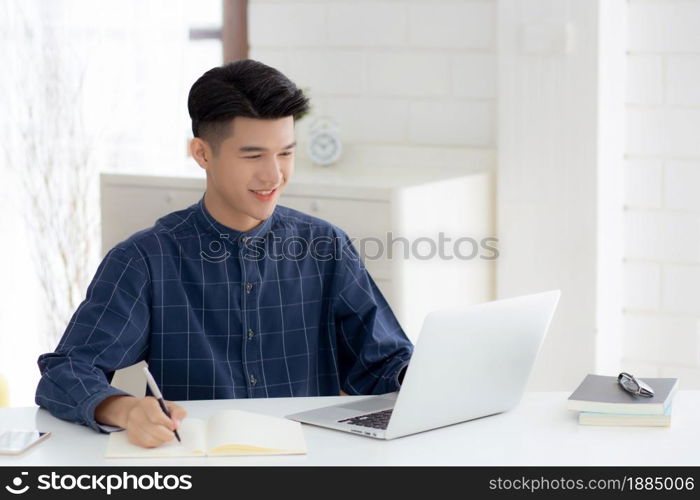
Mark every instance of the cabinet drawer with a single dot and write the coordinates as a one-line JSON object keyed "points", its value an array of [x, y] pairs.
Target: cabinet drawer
{"points": [[127, 209], [386, 287], [358, 218], [368, 222]]}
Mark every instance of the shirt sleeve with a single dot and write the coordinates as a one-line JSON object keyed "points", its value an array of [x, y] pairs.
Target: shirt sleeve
{"points": [[108, 331], [373, 350]]}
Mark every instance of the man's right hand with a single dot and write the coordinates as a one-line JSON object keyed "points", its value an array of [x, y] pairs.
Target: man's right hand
{"points": [[145, 423]]}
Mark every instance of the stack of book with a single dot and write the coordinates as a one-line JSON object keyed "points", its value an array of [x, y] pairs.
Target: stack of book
{"points": [[602, 401]]}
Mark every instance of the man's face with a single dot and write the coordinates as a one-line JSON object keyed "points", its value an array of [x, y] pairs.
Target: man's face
{"points": [[252, 168]]}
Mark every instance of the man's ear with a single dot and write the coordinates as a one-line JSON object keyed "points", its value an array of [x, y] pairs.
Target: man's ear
{"points": [[200, 151]]}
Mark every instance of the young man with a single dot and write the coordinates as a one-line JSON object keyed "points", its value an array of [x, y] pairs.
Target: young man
{"points": [[234, 296]]}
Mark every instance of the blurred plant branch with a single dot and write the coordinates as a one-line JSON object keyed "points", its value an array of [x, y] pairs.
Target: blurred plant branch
{"points": [[49, 150]]}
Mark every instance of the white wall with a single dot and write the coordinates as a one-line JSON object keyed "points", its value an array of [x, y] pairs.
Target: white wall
{"points": [[560, 161], [411, 83], [662, 264]]}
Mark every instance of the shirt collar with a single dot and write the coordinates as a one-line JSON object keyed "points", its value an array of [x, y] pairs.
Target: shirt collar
{"points": [[212, 225]]}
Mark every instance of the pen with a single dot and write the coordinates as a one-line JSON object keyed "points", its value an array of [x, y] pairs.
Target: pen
{"points": [[156, 392]]}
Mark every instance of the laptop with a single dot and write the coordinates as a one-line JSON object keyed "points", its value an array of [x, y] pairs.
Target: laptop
{"points": [[469, 362]]}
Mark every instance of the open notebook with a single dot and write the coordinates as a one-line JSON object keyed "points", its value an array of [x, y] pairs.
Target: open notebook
{"points": [[226, 433]]}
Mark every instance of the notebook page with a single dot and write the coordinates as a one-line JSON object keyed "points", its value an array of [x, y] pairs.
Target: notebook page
{"points": [[242, 432], [192, 432]]}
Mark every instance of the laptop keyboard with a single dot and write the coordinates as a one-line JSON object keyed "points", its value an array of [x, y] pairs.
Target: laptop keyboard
{"points": [[376, 420]]}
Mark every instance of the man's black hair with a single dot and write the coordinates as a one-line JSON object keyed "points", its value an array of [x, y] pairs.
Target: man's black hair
{"points": [[245, 88]]}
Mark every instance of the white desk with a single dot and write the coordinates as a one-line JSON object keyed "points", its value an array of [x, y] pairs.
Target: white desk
{"points": [[540, 431]]}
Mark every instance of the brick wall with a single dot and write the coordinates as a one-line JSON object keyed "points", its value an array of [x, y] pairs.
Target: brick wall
{"points": [[662, 265], [411, 83]]}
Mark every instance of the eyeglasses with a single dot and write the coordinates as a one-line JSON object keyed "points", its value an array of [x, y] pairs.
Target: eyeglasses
{"points": [[634, 386]]}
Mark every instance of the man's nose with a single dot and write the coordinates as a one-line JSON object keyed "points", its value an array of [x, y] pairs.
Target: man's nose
{"points": [[270, 173]]}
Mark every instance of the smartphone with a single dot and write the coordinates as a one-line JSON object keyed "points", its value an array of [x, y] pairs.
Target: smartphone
{"points": [[14, 442]]}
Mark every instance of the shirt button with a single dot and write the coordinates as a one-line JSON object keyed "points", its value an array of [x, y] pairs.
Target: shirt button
{"points": [[245, 239], [248, 287], [251, 334], [253, 380]]}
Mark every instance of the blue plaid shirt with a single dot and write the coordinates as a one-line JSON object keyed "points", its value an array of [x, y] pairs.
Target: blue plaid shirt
{"points": [[285, 309]]}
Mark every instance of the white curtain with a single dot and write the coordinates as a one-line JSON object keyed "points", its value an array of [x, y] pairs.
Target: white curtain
{"points": [[86, 86]]}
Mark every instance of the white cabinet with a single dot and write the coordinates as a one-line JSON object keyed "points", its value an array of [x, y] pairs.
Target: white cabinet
{"points": [[396, 222]]}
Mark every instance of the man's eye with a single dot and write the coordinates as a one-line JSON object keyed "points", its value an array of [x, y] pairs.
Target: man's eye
{"points": [[252, 157], [286, 153]]}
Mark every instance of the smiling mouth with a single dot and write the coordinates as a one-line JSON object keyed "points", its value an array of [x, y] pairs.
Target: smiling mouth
{"points": [[265, 194]]}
